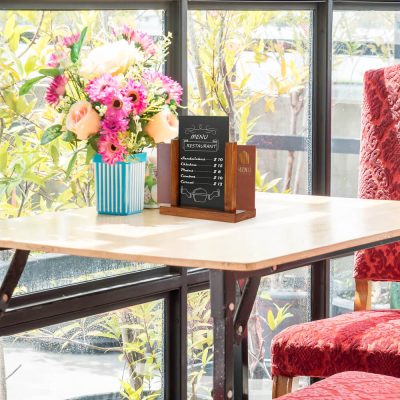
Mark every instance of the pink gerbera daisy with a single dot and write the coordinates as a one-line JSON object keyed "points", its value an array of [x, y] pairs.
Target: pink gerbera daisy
{"points": [[53, 61], [118, 106], [56, 89], [137, 94], [111, 126], [141, 39], [68, 41], [102, 89], [111, 149], [173, 89]]}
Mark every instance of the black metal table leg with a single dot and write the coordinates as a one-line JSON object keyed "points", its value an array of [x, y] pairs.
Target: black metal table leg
{"points": [[223, 299], [231, 309], [12, 277]]}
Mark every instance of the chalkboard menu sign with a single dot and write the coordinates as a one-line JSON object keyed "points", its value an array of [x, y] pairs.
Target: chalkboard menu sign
{"points": [[202, 161]]}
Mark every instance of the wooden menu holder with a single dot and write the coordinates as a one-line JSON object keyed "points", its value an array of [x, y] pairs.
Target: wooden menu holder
{"points": [[230, 213]]}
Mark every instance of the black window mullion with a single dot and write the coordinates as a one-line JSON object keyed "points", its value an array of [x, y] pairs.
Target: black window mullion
{"points": [[176, 23], [321, 142]]}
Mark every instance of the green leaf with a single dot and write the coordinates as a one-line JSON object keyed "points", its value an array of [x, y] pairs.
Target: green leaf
{"points": [[32, 177], [3, 158], [21, 106], [26, 87], [51, 71], [71, 165], [30, 64], [14, 41], [271, 320], [69, 137], [265, 296], [55, 155], [76, 47], [51, 133], [90, 152], [9, 27]]}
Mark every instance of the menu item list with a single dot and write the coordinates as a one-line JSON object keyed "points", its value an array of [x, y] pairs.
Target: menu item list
{"points": [[202, 161]]}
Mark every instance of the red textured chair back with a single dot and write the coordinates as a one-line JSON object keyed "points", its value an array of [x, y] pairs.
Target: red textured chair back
{"points": [[380, 164]]}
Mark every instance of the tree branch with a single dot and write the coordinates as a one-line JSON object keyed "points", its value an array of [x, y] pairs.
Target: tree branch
{"points": [[34, 36]]}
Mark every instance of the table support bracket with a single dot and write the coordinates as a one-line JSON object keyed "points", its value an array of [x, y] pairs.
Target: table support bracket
{"points": [[245, 306], [11, 278]]}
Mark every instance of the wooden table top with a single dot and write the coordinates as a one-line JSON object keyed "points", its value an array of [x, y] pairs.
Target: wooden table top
{"points": [[288, 228]]}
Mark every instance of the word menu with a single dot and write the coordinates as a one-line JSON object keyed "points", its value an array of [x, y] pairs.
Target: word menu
{"points": [[202, 161]]}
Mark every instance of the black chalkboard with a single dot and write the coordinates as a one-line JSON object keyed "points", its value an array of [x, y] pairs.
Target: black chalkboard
{"points": [[202, 161]]}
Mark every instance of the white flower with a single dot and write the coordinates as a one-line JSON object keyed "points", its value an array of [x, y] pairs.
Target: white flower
{"points": [[101, 109], [112, 58]]}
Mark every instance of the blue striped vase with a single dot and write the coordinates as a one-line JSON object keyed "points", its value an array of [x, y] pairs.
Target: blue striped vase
{"points": [[120, 187]]}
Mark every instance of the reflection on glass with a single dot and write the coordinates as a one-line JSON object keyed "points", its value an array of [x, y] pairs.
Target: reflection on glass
{"points": [[363, 40], [117, 355]]}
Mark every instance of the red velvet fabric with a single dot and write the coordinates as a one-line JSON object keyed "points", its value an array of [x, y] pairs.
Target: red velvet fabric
{"points": [[350, 386], [360, 341], [380, 164]]}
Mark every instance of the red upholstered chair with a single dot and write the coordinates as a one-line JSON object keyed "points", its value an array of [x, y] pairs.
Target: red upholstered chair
{"points": [[350, 386], [363, 340]]}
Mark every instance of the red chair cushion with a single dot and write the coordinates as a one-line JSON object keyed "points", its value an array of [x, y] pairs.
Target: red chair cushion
{"points": [[350, 386], [380, 164], [366, 341]]}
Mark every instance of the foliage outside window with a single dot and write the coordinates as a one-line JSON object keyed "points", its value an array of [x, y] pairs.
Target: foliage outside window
{"points": [[35, 178], [254, 66], [129, 342]]}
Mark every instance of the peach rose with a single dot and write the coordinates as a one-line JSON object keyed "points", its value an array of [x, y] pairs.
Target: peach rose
{"points": [[163, 126], [83, 120]]}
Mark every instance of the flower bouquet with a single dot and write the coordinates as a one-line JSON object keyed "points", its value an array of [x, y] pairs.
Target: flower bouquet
{"points": [[113, 102]]}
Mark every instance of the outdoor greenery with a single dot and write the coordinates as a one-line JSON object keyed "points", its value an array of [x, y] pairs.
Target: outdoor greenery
{"points": [[223, 58], [35, 178]]}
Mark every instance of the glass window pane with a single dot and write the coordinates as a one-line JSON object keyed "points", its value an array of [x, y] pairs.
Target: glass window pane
{"points": [[48, 271], [32, 176], [98, 357], [283, 300], [363, 40], [200, 345], [254, 66]]}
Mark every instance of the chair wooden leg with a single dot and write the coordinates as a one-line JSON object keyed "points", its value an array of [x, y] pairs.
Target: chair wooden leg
{"points": [[281, 385], [363, 294]]}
